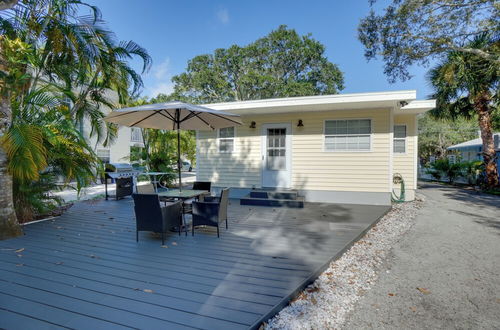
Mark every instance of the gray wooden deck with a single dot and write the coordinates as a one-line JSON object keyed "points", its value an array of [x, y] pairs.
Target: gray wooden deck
{"points": [[85, 270]]}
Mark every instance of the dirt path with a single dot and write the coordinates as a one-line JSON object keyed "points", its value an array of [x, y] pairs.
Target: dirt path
{"points": [[445, 273]]}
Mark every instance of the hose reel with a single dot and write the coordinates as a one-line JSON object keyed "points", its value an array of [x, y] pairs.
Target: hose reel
{"points": [[398, 179]]}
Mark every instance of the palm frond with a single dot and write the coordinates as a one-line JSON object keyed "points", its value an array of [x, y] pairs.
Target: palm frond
{"points": [[24, 146]]}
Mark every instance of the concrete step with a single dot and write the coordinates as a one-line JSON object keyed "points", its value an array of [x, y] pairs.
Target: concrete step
{"points": [[289, 194], [298, 202]]}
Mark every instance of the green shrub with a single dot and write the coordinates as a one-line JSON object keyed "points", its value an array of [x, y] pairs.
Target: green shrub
{"points": [[472, 171], [443, 167]]}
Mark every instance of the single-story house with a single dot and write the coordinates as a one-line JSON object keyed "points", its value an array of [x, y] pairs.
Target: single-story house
{"points": [[341, 148], [472, 149]]}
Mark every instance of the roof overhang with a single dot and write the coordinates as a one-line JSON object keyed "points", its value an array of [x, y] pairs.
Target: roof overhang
{"points": [[402, 101], [416, 107]]}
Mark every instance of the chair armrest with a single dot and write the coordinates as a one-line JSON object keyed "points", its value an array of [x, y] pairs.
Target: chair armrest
{"points": [[212, 199], [205, 213]]}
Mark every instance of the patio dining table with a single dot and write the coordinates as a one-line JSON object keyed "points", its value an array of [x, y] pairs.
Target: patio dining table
{"points": [[183, 195]]}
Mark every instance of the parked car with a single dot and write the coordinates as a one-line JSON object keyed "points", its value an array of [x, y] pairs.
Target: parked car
{"points": [[186, 166]]}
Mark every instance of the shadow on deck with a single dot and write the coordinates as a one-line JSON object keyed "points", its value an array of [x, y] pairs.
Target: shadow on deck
{"points": [[85, 270]]}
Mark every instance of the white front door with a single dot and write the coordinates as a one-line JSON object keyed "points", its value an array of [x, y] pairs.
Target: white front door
{"points": [[276, 155]]}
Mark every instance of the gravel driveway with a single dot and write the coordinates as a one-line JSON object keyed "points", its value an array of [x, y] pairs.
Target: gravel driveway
{"points": [[445, 273]]}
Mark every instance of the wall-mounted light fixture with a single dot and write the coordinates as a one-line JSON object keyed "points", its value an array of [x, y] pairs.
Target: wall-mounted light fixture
{"points": [[403, 104], [300, 123], [253, 124]]}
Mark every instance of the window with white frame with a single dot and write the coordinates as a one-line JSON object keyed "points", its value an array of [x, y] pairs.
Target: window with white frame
{"points": [[348, 135], [399, 139], [136, 135], [103, 155], [226, 139]]}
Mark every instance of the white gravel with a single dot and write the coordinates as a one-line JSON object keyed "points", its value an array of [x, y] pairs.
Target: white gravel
{"points": [[326, 303]]}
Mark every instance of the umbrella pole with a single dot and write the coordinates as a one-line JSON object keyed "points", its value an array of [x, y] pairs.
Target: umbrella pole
{"points": [[179, 150]]}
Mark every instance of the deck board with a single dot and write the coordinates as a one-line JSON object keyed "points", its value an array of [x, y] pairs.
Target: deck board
{"points": [[85, 269]]}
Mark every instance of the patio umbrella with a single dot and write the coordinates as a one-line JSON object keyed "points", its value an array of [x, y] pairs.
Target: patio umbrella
{"points": [[173, 115]]}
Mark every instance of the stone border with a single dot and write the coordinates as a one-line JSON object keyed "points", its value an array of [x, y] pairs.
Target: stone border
{"points": [[327, 302]]}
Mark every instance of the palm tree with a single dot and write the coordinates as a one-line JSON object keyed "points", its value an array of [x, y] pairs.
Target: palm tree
{"points": [[8, 220], [468, 86], [44, 145], [81, 62]]}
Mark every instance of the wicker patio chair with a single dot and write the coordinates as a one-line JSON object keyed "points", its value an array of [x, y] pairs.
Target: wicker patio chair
{"points": [[150, 189], [197, 185], [151, 216], [146, 189], [211, 213]]}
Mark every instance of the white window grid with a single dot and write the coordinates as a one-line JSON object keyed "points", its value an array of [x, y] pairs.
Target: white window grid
{"points": [[226, 136], [400, 139], [351, 139]]}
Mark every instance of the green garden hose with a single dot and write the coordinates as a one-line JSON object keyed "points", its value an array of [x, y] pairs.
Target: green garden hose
{"points": [[398, 178]]}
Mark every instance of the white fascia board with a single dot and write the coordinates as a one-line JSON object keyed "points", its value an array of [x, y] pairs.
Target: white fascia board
{"points": [[417, 106], [317, 103]]}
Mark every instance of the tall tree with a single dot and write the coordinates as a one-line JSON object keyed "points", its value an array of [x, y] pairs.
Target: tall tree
{"points": [[281, 64], [9, 226], [435, 135], [81, 62], [467, 85], [411, 32]]}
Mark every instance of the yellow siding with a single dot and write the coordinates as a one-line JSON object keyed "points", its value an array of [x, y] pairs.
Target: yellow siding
{"points": [[405, 163], [312, 167]]}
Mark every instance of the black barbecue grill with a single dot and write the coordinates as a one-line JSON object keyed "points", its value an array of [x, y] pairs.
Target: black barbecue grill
{"points": [[123, 175]]}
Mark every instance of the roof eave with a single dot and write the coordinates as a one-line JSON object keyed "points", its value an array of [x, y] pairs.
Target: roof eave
{"points": [[318, 103], [416, 107]]}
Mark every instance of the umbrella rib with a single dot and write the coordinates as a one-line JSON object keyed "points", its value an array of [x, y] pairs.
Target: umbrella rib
{"points": [[143, 119], [233, 121], [203, 120], [190, 115], [123, 114], [168, 117]]}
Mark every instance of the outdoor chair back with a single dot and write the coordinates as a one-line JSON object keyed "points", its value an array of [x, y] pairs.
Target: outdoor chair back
{"points": [[211, 213], [223, 202], [151, 216], [202, 185], [146, 189]]}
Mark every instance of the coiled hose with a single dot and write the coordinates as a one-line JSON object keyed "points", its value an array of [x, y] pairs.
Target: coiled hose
{"points": [[398, 178]]}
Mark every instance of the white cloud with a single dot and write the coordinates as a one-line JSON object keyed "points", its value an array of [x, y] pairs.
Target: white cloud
{"points": [[223, 15], [161, 71], [161, 88], [159, 79]]}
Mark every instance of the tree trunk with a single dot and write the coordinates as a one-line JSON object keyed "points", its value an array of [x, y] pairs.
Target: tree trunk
{"points": [[9, 226], [485, 125]]}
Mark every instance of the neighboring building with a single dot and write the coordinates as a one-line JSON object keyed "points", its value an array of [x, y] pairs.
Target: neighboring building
{"points": [[472, 150], [136, 139], [119, 150], [331, 148]]}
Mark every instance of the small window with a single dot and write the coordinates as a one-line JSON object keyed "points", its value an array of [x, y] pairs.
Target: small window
{"points": [[226, 139], [136, 135], [103, 155], [348, 135], [400, 139]]}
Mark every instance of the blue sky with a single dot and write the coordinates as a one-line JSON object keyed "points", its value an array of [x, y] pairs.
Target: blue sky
{"points": [[175, 31]]}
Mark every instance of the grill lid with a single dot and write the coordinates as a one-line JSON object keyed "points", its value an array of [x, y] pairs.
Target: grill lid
{"points": [[119, 167]]}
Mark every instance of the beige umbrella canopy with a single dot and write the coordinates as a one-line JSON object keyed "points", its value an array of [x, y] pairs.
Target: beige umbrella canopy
{"points": [[173, 115]]}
